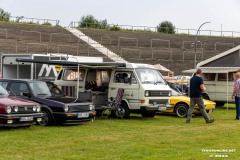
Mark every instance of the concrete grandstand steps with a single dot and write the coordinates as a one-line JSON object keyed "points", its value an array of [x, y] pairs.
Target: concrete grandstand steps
{"points": [[97, 46]]}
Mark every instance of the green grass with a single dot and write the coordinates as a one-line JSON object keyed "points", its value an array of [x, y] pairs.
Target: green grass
{"points": [[162, 137]]}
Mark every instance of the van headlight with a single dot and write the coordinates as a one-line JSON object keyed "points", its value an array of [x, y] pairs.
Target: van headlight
{"points": [[38, 108], [9, 109], [146, 93], [91, 107], [66, 108]]}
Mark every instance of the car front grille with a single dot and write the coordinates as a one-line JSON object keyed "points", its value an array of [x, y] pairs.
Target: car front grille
{"points": [[159, 93], [78, 108], [23, 109]]}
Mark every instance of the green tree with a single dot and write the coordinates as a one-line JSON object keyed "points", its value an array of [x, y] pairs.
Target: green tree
{"points": [[4, 16], [166, 27], [89, 21]]}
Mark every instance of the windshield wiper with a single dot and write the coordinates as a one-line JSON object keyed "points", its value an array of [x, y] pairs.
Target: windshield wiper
{"points": [[42, 94]]}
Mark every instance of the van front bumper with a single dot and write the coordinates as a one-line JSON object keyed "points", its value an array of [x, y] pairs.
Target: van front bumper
{"points": [[158, 107]]}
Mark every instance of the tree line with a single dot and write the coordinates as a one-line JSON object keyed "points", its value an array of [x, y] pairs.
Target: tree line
{"points": [[89, 21]]}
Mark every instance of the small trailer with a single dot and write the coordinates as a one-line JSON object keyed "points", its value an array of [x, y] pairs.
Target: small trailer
{"points": [[12, 69]]}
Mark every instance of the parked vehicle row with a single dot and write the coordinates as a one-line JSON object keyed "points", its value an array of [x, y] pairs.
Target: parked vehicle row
{"points": [[56, 107]]}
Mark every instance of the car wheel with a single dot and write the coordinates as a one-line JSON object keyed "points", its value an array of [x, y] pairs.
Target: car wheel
{"points": [[181, 110], [47, 119], [148, 113], [123, 111]]}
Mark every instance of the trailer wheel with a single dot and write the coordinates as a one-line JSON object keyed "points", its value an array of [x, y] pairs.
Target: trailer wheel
{"points": [[47, 120]]}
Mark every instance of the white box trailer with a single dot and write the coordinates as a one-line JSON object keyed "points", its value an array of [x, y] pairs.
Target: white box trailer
{"points": [[10, 68]]}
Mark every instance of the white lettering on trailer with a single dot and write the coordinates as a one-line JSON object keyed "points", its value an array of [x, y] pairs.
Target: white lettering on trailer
{"points": [[48, 68]]}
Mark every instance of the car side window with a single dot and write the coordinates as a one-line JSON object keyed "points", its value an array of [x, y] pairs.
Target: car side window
{"points": [[4, 84], [18, 88]]}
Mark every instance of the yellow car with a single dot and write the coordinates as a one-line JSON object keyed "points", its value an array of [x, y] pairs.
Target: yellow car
{"points": [[181, 104]]}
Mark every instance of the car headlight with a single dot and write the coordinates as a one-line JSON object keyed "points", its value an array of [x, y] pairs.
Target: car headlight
{"points": [[38, 108], [146, 93], [15, 109], [66, 108], [169, 94], [91, 107], [34, 108], [214, 106], [9, 109]]}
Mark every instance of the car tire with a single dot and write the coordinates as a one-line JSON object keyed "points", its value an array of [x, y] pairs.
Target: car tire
{"points": [[181, 110], [123, 111], [148, 113], [47, 120]]}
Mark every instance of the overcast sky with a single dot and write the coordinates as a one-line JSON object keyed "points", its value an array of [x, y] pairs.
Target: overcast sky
{"points": [[182, 13]]}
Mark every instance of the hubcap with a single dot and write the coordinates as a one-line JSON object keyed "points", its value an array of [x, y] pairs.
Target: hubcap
{"points": [[182, 111]]}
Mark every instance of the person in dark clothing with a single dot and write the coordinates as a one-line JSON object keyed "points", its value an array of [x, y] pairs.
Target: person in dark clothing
{"points": [[196, 89]]}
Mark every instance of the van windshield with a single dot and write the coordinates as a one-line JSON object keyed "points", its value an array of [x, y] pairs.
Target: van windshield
{"points": [[40, 89], [149, 76]]}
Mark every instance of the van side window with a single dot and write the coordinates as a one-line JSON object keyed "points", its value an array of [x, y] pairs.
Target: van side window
{"points": [[209, 76], [123, 77], [72, 74]]}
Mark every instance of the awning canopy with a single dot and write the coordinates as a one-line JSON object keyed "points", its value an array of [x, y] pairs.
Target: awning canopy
{"points": [[71, 63], [214, 70], [161, 68]]}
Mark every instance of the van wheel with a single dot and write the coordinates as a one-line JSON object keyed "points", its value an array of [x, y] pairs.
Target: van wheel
{"points": [[47, 120], [181, 110], [148, 113], [123, 111]]}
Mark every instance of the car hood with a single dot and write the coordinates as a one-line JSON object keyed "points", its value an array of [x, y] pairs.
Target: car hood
{"points": [[65, 99], [186, 98], [13, 101]]}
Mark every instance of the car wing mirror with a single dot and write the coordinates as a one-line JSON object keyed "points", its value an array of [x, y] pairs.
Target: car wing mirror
{"points": [[26, 94]]}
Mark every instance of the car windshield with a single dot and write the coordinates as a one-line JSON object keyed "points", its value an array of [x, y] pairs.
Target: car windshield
{"points": [[149, 76], [40, 88], [3, 92]]}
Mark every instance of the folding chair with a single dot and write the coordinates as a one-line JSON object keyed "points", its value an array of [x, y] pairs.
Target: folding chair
{"points": [[114, 106]]}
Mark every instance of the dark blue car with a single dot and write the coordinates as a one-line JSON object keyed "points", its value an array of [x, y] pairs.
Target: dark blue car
{"points": [[56, 106]]}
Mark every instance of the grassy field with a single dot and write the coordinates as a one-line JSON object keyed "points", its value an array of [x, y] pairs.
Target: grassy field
{"points": [[162, 137]]}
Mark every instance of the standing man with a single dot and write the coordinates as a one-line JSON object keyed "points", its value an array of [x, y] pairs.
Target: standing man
{"points": [[196, 89], [236, 94]]}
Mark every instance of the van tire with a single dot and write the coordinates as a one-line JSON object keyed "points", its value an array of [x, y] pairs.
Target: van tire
{"points": [[181, 110], [123, 111], [148, 113], [47, 119]]}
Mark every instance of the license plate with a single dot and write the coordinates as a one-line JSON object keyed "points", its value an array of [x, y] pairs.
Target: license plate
{"points": [[23, 119], [83, 115], [162, 108]]}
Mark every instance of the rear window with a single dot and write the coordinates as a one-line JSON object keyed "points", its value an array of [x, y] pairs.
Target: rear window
{"points": [[72, 75]]}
